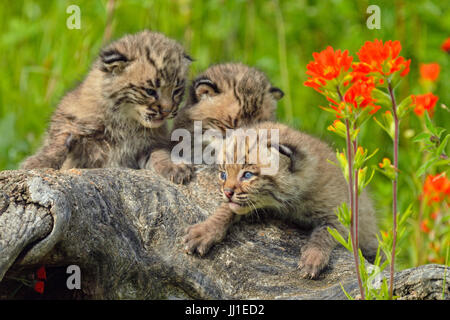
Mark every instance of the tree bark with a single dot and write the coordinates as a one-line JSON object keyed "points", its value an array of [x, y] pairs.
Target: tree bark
{"points": [[124, 229]]}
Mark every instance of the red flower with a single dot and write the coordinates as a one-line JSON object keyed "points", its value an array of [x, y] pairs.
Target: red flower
{"points": [[446, 45], [434, 215], [357, 96], [327, 65], [41, 274], [381, 58], [429, 71], [424, 226], [436, 188], [424, 102], [39, 287]]}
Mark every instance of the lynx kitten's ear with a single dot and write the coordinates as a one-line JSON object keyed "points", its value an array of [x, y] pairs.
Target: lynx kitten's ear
{"points": [[187, 59], [205, 88], [277, 93], [294, 154], [284, 150], [113, 61]]}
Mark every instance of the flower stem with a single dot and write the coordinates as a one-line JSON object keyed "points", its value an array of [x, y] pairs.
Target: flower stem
{"points": [[356, 196], [354, 219], [394, 187], [351, 197]]}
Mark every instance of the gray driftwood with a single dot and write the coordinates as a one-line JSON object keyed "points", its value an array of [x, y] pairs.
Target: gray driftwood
{"points": [[124, 229]]}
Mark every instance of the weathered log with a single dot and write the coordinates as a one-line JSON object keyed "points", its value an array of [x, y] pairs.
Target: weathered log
{"points": [[124, 229]]}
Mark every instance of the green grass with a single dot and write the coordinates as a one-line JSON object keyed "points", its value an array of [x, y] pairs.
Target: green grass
{"points": [[41, 59]]}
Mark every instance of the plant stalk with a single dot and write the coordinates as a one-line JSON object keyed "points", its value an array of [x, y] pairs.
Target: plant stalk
{"points": [[356, 197], [394, 187], [351, 196], [354, 218]]}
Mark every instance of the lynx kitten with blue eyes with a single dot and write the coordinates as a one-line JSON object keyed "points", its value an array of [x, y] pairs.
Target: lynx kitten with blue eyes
{"points": [[305, 188], [117, 116]]}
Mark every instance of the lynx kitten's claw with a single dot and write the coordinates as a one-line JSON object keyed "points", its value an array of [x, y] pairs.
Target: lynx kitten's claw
{"points": [[179, 173], [200, 237], [312, 262]]}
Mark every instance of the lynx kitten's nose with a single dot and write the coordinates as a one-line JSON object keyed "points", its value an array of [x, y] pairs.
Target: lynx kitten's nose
{"points": [[228, 193], [165, 113]]}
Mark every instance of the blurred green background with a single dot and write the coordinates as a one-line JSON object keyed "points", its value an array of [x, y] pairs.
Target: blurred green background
{"points": [[41, 59]]}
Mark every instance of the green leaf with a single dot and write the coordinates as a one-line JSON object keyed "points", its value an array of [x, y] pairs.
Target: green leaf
{"points": [[344, 214], [381, 125], [388, 127], [404, 107], [442, 146], [363, 116], [440, 131], [443, 162], [423, 168], [429, 124], [370, 179], [354, 133], [372, 154], [339, 238], [405, 215], [422, 136], [349, 297], [381, 97]]}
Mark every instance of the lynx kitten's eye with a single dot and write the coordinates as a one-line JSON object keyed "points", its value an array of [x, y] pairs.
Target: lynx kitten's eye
{"points": [[223, 175], [247, 175], [177, 91], [151, 92]]}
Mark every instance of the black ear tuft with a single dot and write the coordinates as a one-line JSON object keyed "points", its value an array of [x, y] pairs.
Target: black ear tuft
{"points": [[277, 93], [204, 86], [188, 57], [112, 55], [283, 149], [206, 81], [113, 61], [294, 154]]}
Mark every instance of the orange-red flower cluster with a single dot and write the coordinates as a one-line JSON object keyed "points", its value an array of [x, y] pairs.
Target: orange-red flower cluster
{"points": [[382, 58], [424, 102], [446, 45], [357, 96], [429, 71], [356, 79], [425, 226], [436, 188], [327, 65]]}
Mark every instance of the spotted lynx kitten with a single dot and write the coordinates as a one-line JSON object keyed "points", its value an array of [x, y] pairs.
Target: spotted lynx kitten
{"points": [[306, 189], [228, 96], [117, 116]]}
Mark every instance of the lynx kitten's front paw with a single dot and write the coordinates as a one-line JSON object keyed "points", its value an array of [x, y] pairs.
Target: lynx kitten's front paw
{"points": [[200, 237], [177, 173], [312, 262]]}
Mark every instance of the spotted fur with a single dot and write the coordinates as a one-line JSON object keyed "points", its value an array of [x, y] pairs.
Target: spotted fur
{"points": [[306, 189], [228, 96], [116, 116]]}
